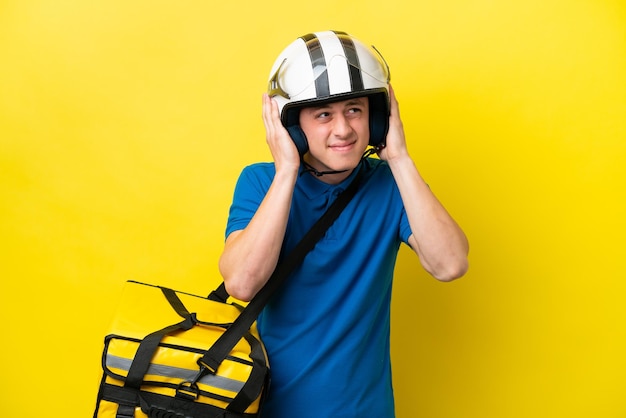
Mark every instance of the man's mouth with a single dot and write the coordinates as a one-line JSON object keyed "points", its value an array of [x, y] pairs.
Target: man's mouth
{"points": [[342, 146]]}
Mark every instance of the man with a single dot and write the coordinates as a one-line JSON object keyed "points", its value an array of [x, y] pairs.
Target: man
{"points": [[327, 329]]}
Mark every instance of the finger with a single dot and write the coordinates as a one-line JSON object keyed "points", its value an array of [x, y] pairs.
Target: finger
{"points": [[265, 117], [394, 108], [269, 109], [265, 108], [274, 113], [271, 113]]}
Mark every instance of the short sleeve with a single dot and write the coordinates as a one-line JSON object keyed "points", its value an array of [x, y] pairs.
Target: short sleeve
{"points": [[405, 228], [250, 190]]}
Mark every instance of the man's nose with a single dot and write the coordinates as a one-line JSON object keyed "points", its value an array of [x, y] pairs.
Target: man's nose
{"points": [[341, 126]]}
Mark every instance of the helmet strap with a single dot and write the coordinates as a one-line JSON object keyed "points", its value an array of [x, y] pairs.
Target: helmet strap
{"points": [[310, 169]]}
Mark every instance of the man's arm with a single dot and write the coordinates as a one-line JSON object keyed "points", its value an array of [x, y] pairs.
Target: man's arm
{"points": [[250, 255], [436, 238]]}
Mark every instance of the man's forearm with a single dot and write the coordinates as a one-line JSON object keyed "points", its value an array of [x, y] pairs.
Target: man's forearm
{"points": [[437, 239], [250, 255]]}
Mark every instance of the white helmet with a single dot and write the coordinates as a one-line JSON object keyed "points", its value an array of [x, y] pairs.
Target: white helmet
{"points": [[329, 66]]}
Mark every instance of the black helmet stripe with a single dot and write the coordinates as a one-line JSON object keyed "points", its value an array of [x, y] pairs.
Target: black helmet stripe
{"points": [[322, 87], [356, 78]]}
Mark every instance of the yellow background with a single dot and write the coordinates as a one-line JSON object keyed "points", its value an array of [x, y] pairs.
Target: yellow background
{"points": [[124, 125]]}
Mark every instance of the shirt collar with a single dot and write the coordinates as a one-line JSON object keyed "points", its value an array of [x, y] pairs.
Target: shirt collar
{"points": [[313, 187]]}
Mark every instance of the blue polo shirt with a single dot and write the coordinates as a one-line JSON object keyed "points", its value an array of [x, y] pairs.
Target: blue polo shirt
{"points": [[327, 329]]}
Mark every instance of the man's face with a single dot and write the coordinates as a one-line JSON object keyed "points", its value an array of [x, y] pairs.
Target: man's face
{"points": [[338, 133]]}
